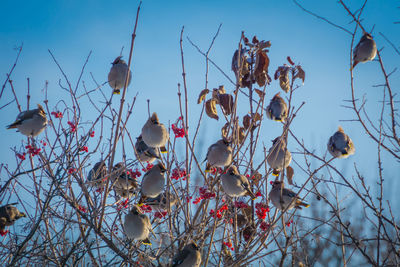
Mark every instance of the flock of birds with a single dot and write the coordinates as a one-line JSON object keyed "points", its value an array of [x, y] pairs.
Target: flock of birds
{"points": [[152, 141]]}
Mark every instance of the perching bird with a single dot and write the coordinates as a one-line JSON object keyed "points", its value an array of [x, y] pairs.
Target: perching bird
{"points": [[144, 153], [282, 197], [97, 174], [234, 184], [160, 202], [117, 75], [30, 122], [340, 145], [154, 133], [279, 157], [153, 181], [190, 256], [137, 225], [8, 215], [219, 154], [277, 109], [365, 49], [124, 184]]}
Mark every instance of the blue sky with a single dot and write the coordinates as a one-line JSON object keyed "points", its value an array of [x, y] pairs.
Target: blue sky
{"points": [[70, 29]]}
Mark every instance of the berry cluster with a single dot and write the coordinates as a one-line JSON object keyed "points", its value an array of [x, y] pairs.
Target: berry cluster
{"points": [[179, 132], [146, 208], [160, 215], [85, 149], [219, 212], [288, 223], [134, 173], [240, 205], [264, 226], [229, 245], [72, 127], [178, 173], [261, 210], [123, 204], [148, 167], [71, 170], [91, 134], [81, 208], [32, 150], [21, 156], [204, 194], [57, 114], [3, 233], [215, 170]]}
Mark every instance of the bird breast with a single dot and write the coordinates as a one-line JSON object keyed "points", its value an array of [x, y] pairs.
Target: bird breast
{"points": [[136, 227], [116, 77], [152, 184], [154, 135], [33, 126], [232, 185]]}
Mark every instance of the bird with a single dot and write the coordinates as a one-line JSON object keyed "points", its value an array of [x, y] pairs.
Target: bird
{"points": [[153, 182], [30, 122], [234, 184], [219, 154], [340, 145], [154, 133], [144, 153], [117, 75], [365, 50], [282, 197], [137, 225], [190, 256], [279, 157], [8, 215], [124, 185], [160, 202], [277, 109], [97, 174]]}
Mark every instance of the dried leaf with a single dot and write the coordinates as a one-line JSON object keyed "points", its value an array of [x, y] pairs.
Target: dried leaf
{"points": [[260, 93], [221, 89], [211, 109], [241, 134], [284, 82], [300, 73], [224, 130], [256, 178], [226, 102], [202, 95], [290, 61], [247, 212], [289, 174], [255, 40], [246, 121], [264, 44], [256, 117], [261, 67]]}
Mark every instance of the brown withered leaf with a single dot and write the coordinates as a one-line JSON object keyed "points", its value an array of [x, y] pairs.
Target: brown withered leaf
{"points": [[255, 40], [221, 89], [248, 212], [211, 109], [261, 68], [226, 102], [282, 70], [256, 117], [300, 73], [241, 134], [264, 44], [256, 177], [290, 61], [284, 82], [202, 95], [289, 174], [260, 93], [224, 130], [246, 121]]}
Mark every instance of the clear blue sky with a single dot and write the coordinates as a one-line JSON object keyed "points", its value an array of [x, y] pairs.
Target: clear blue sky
{"points": [[70, 29]]}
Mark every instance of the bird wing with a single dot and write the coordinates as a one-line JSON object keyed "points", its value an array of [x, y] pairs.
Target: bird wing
{"points": [[178, 259], [288, 192], [212, 147]]}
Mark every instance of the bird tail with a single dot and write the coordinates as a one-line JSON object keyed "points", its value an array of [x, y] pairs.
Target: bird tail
{"points": [[163, 149], [117, 92], [276, 172], [301, 203], [208, 167], [147, 242], [251, 194]]}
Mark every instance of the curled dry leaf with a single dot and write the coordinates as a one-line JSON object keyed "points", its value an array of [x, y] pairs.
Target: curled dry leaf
{"points": [[256, 117], [246, 121], [282, 73], [216, 92], [226, 102], [290, 61], [261, 67], [224, 130], [241, 134], [264, 44], [211, 109], [260, 93], [300, 73], [202, 95], [289, 174], [255, 40]]}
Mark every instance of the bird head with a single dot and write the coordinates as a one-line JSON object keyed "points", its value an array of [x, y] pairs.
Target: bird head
{"points": [[277, 184], [136, 210], [118, 60], [161, 167], [193, 245], [41, 109], [232, 170], [225, 141], [154, 118]]}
